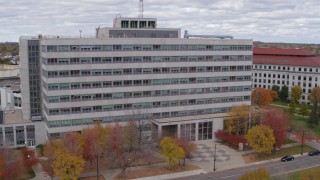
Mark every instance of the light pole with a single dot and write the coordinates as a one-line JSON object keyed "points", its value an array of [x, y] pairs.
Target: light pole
{"points": [[214, 157], [302, 141]]}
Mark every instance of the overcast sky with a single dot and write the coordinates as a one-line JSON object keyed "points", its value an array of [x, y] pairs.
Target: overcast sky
{"points": [[260, 20]]}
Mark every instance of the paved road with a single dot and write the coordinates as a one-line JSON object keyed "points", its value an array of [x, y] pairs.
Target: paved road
{"points": [[275, 168]]}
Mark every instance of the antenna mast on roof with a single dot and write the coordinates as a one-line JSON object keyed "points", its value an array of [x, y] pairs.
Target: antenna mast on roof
{"points": [[140, 15]]}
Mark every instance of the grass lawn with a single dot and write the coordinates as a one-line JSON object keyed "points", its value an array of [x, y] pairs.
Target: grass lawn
{"points": [[293, 175], [289, 141], [157, 171], [253, 157]]}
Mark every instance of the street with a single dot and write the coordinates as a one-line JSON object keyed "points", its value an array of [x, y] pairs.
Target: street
{"points": [[274, 168]]}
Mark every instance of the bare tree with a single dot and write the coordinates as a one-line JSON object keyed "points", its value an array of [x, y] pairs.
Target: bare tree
{"points": [[125, 145]]}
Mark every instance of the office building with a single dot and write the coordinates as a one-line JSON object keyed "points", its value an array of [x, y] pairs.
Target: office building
{"points": [[290, 67], [135, 71]]}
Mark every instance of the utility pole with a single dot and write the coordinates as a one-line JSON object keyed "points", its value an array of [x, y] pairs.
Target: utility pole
{"points": [[80, 30], [214, 157]]}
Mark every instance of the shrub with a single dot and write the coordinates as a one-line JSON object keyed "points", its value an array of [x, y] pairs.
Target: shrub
{"points": [[41, 148], [231, 139]]}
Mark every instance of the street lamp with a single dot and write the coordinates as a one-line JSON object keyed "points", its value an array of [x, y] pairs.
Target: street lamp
{"points": [[302, 141], [214, 157]]}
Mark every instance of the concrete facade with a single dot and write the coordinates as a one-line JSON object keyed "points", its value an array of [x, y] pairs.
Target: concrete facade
{"points": [[9, 99], [116, 79]]}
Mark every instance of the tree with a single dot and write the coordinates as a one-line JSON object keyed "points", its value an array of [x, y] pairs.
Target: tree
{"points": [[304, 109], [65, 164], [29, 157], [296, 93], [2, 166], [261, 139], [315, 113], [187, 146], [48, 153], [315, 95], [94, 144], [274, 95], [89, 139], [261, 174], [238, 119], [277, 120], [11, 163], [171, 151], [276, 89], [72, 141], [292, 107], [304, 135], [125, 145], [284, 93], [313, 117], [261, 97]]}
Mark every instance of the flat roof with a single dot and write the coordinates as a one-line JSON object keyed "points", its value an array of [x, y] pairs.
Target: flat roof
{"points": [[287, 60], [14, 84], [282, 52], [14, 117], [189, 118]]}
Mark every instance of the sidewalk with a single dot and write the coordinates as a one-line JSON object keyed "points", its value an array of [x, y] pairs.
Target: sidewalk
{"points": [[40, 174], [173, 175]]}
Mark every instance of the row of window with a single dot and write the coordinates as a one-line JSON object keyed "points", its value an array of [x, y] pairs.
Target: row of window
{"points": [[139, 94], [124, 118], [145, 47], [136, 71], [145, 82], [286, 68], [283, 76], [142, 59], [145, 105]]}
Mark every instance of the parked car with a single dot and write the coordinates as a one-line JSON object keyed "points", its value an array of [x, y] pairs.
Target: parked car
{"points": [[287, 158], [314, 152]]}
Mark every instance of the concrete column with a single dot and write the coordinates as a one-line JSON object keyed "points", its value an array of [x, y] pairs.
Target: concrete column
{"points": [[197, 131], [3, 137], [14, 136], [159, 131], [179, 130], [25, 136]]}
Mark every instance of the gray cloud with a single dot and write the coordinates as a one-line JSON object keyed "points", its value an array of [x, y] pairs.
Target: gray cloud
{"points": [[261, 20]]}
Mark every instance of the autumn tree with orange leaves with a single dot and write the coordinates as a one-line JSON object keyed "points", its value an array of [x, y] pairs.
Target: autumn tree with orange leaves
{"points": [[277, 120], [72, 141], [1, 167], [11, 164], [48, 153], [94, 144], [261, 97], [29, 158], [187, 146]]}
